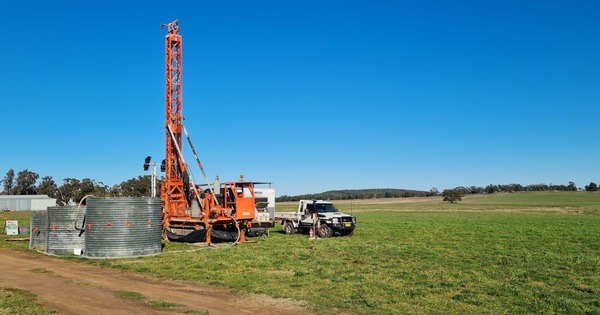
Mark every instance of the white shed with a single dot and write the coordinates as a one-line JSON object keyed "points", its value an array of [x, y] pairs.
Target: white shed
{"points": [[26, 202]]}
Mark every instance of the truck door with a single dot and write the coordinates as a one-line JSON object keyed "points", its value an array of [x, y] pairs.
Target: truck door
{"points": [[307, 218]]}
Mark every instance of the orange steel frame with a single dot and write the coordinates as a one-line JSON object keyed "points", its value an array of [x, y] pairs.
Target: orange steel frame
{"points": [[237, 210], [173, 192]]}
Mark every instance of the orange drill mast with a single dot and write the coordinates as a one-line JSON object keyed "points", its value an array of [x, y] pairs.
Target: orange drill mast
{"points": [[174, 189], [185, 207]]}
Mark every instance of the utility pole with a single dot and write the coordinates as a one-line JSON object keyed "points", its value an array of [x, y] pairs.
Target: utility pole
{"points": [[153, 179], [148, 164]]}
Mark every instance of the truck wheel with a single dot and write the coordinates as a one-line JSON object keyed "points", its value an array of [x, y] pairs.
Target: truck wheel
{"points": [[325, 231], [288, 228]]}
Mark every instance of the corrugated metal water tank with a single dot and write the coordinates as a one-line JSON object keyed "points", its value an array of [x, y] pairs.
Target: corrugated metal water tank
{"points": [[38, 230], [63, 238], [123, 227]]}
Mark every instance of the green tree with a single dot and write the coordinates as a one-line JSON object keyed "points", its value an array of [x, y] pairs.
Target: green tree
{"points": [[9, 183], [115, 191], [452, 195], [490, 189], [137, 187], [101, 190], [48, 187], [88, 186], [68, 191], [73, 190], [26, 183], [591, 187]]}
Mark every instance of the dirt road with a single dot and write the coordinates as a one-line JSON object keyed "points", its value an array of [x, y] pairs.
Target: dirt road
{"points": [[76, 288]]}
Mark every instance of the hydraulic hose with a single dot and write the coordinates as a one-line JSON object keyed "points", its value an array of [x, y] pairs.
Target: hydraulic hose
{"points": [[199, 163], [187, 169], [77, 213]]}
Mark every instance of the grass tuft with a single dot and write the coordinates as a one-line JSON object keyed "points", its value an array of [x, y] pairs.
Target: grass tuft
{"points": [[163, 304], [17, 301], [132, 295]]}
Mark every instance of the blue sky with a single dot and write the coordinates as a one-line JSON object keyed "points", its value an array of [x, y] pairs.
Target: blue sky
{"points": [[310, 95]]}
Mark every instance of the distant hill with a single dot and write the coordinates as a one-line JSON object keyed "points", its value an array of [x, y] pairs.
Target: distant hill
{"points": [[348, 194]]}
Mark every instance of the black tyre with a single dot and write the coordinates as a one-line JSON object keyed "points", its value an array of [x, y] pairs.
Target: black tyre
{"points": [[325, 231], [288, 228]]}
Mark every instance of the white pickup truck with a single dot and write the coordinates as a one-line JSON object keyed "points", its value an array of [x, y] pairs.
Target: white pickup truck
{"points": [[318, 214]]}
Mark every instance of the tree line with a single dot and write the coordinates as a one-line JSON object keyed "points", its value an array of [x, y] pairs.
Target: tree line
{"points": [[456, 194], [72, 190], [453, 194], [348, 194]]}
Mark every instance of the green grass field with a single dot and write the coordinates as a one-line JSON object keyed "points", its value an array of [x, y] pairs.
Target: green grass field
{"points": [[523, 253]]}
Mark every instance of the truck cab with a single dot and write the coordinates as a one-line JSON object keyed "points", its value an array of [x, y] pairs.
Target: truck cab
{"points": [[321, 215]]}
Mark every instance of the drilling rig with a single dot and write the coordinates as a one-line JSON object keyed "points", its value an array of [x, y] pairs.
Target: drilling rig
{"points": [[224, 211]]}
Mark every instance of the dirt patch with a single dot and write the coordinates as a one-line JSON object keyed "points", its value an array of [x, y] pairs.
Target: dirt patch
{"points": [[76, 288]]}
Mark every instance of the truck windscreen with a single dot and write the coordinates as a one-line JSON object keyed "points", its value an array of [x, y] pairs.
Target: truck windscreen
{"points": [[322, 207]]}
